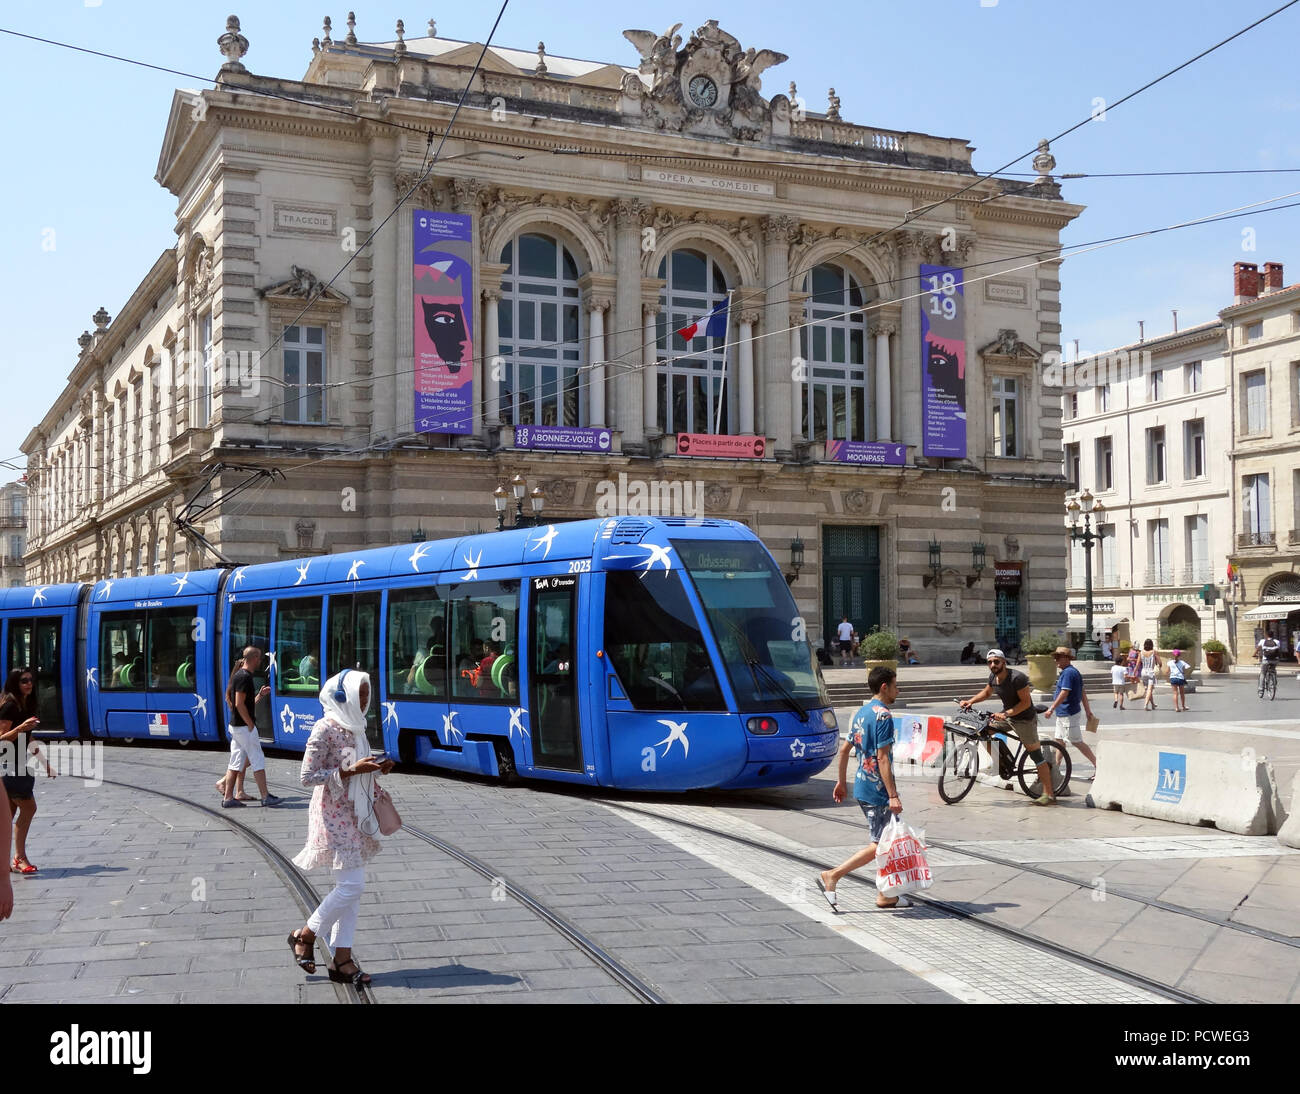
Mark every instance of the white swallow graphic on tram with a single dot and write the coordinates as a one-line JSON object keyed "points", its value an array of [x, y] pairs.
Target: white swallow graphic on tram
{"points": [[352, 573], [38, 597], [302, 572], [517, 722], [200, 706], [797, 749], [421, 549], [546, 539], [677, 732], [390, 711], [238, 577], [182, 581], [657, 554], [91, 680], [451, 729], [472, 563], [108, 588], [270, 660], [286, 719]]}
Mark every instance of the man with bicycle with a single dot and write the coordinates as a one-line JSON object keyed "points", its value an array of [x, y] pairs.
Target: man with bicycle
{"points": [[1012, 687], [1269, 652]]}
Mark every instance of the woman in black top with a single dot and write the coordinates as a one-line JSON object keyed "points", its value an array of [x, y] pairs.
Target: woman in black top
{"points": [[18, 717]]}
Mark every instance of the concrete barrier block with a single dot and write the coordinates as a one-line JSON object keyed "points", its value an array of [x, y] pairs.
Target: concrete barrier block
{"points": [[1231, 791], [1289, 833]]}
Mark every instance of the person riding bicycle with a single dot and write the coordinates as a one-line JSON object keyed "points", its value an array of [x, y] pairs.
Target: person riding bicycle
{"points": [[1012, 687], [1269, 651]]}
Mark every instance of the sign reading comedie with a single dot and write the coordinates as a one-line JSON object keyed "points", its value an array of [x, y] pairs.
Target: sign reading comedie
{"points": [[722, 446], [443, 318]]}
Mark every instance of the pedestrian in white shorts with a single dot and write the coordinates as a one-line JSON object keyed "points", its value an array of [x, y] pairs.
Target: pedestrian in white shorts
{"points": [[245, 745], [1073, 703], [1119, 682]]}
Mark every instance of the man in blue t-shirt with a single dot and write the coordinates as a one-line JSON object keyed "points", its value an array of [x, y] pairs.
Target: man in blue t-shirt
{"points": [[1071, 704], [872, 737]]}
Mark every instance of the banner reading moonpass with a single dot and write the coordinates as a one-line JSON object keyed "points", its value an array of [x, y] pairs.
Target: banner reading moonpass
{"points": [[443, 281], [943, 362]]}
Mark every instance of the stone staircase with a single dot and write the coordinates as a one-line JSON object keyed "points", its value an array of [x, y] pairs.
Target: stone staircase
{"points": [[937, 687]]}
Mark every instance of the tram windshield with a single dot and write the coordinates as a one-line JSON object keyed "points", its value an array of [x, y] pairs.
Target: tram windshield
{"points": [[755, 623]]}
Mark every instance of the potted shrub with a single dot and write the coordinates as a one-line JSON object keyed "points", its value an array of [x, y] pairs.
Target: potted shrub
{"points": [[1216, 655], [1038, 649], [1179, 636], [879, 648]]}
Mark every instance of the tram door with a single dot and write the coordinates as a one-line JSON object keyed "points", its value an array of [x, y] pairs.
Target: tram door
{"points": [[34, 644], [354, 644], [552, 685]]}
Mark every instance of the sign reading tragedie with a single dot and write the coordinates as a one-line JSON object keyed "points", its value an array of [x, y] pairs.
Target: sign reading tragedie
{"points": [[943, 362], [443, 284], [874, 453]]}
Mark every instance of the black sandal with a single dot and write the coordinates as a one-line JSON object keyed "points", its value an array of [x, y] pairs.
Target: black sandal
{"points": [[307, 961], [356, 978]]}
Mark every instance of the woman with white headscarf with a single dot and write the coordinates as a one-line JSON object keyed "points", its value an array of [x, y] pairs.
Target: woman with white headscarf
{"points": [[342, 831]]}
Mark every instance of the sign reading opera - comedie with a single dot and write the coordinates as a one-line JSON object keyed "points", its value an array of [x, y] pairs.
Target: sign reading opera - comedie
{"points": [[721, 446]]}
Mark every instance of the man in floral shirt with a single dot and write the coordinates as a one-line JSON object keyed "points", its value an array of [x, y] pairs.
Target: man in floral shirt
{"points": [[872, 737]]}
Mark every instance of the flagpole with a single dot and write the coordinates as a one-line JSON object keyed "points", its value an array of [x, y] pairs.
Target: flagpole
{"points": [[726, 341]]}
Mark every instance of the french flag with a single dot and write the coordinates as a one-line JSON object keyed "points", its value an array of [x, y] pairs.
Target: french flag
{"points": [[715, 324]]}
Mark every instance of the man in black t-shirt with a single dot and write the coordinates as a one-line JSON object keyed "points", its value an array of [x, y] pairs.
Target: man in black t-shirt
{"points": [[245, 745], [1012, 687]]}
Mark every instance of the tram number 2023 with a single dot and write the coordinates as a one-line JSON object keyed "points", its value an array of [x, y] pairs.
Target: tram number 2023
{"points": [[581, 566]]}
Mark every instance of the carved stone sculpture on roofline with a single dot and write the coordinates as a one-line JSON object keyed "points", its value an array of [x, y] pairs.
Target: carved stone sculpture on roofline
{"points": [[711, 86]]}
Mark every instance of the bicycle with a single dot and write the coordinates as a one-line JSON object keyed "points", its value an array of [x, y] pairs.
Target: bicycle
{"points": [[1268, 680], [961, 760]]}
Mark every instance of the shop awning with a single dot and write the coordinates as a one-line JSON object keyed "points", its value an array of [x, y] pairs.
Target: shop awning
{"points": [[1272, 611]]}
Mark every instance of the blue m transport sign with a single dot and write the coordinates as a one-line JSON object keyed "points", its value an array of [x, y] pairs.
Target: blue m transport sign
{"points": [[1171, 778]]}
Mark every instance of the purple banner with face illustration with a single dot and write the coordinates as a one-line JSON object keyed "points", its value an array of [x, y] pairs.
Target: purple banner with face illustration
{"points": [[443, 284], [943, 362], [867, 452]]}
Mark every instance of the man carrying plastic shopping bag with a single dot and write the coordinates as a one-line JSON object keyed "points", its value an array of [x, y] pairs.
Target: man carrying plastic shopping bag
{"points": [[901, 854], [872, 737]]}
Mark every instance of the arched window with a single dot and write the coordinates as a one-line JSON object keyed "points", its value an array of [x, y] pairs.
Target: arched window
{"points": [[540, 334], [836, 403], [693, 396]]}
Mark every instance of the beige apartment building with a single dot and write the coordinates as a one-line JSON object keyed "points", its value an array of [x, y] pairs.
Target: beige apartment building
{"points": [[1263, 339], [897, 430], [13, 532], [1148, 432]]}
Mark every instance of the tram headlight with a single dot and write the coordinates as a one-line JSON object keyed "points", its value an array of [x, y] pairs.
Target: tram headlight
{"points": [[762, 725], [828, 719]]}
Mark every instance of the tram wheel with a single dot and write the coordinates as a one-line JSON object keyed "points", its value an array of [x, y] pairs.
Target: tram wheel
{"points": [[506, 763], [1059, 761], [961, 763], [128, 740]]}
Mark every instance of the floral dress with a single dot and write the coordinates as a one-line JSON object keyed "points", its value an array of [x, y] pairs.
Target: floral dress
{"points": [[333, 838]]}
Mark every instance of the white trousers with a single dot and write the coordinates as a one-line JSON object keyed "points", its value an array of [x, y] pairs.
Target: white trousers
{"points": [[338, 911]]}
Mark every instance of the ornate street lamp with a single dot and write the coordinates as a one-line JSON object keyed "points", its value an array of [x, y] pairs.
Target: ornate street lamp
{"points": [[796, 560], [936, 564], [519, 489], [977, 559], [1083, 508]]}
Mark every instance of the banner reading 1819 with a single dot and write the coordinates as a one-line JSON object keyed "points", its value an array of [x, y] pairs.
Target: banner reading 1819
{"points": [[444, 322], [943, 362]]}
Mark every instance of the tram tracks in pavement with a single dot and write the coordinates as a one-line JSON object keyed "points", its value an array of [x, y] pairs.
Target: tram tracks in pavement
{"points": [[1026, 938], [304, 893], [610, 965]]}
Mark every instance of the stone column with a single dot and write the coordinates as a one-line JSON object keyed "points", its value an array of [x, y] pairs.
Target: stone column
{"points": [[911, 245], [745, 372], [629, 389], [777, 398], [883, 384], [403, 391], [596, 306], [383, 283], [649, 367], [798, 386], [491, 351]]}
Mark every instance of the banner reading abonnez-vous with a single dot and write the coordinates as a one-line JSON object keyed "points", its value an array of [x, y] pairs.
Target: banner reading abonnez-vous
{"points": [[943, 362], [443, 285]]}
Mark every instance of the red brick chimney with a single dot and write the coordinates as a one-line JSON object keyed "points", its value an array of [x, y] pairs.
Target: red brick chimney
{"points": [[1272, 276], [1245, 281]]}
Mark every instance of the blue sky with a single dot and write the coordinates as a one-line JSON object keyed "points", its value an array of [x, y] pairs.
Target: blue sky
{"points": [[84, 133]]}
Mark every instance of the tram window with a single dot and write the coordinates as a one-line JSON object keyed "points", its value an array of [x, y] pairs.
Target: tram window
{"points": [[483, 641], [250, 625], [172, 649], [20, 644], [45, 667], [354, 644], [417, 644], [121, 652], [655, 646], [297, 646]]}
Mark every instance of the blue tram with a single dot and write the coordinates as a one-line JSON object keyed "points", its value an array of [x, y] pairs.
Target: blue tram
{"points": [[640, 653]]}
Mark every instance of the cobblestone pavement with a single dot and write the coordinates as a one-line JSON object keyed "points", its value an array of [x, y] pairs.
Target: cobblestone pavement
{"points": [[142, 898]]}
